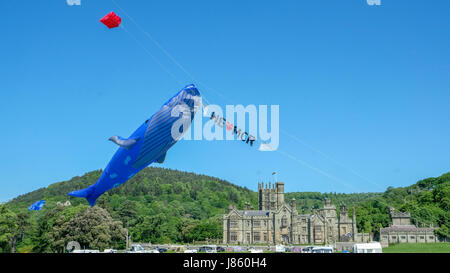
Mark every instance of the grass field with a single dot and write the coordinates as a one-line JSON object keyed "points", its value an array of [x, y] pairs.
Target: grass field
{"points": [[418, 248]]}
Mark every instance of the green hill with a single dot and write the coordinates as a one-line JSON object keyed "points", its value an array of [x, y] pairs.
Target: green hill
{"points": [[161, 205]]}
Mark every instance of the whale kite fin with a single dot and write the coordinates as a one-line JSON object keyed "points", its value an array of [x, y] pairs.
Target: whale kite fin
{"points": [[123, 142], [87, 193], [161, 158]]}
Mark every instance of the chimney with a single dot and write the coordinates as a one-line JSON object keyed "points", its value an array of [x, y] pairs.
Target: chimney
{"points": [[293, 204]]}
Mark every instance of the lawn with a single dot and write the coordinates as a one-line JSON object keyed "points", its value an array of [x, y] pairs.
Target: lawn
{"points": [[418, 248]]}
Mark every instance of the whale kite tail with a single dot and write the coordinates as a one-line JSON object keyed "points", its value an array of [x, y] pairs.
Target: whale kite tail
{"points": [[87, 193]]}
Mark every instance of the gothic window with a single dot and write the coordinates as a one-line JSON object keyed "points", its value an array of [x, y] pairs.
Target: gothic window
{"points": [[303, 221], [431, 237], [265, 237], [256, 237], [248, 223], [422, 237], [233, 223], [284, 221], [233, 236], [256, 223], [265, 223], [304, 229]]}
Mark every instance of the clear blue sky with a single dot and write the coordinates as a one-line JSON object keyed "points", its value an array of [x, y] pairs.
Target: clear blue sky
{"points": [[367, 86]]}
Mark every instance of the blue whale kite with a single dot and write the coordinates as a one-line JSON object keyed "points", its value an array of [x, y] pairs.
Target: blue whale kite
{"points": [[148, 144]]}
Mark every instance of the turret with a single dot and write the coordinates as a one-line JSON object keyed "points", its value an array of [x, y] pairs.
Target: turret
{"points": [[279, 193]]}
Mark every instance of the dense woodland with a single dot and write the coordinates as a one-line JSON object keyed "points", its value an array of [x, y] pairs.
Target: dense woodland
{"points": [[168, 206]]}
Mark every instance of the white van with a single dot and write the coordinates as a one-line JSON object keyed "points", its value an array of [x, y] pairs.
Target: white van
{"points": [[280, 248], [367, 248]]}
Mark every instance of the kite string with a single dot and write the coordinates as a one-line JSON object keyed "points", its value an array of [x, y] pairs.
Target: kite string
{"points": [[303, 163], [295, 138], [151, 55]]}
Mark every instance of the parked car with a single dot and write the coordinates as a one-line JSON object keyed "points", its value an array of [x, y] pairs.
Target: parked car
{"points": [[85, 251], [254, 250], [109, 251], [161, 249], [190, 251], [237, 249], [220, 249], [307, 249], [296, 249], [322, 249], [136, 248], [208, 249]]}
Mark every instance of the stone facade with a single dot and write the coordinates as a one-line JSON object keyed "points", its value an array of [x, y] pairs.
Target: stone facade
{"points": [[278, 222], [402, 231]]}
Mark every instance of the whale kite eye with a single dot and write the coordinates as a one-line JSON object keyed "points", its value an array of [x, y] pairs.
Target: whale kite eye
{"points": [[146, 121]]}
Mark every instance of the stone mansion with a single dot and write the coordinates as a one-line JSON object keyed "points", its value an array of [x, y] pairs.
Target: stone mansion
{"points": [[278, 222]]}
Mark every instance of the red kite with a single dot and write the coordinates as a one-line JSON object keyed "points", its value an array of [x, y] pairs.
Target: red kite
{"points": [[111, 20]]}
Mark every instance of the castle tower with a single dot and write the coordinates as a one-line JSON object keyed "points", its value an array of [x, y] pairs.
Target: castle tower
{"points": [[279, 194], [270, 197]]}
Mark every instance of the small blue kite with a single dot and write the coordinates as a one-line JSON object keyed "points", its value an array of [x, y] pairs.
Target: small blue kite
{"points": [[37, 206]]}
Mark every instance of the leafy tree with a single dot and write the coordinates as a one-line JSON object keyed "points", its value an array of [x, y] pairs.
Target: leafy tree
{"points": [[91, 227], [204, 230], [8, 227]]}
